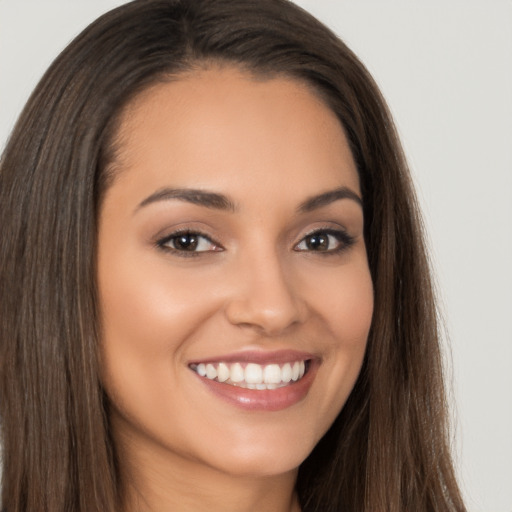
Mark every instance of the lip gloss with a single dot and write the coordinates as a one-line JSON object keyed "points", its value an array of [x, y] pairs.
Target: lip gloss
{"points": [[266, 399]]}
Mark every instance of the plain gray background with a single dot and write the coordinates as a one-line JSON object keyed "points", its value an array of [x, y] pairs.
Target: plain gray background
{"points": [[445, 68]]}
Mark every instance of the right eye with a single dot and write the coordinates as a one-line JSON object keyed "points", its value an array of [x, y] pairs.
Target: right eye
{"points": [[188, 243]]}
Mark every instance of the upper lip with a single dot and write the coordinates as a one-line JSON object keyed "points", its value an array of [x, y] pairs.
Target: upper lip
{"points": [[258, 356]]}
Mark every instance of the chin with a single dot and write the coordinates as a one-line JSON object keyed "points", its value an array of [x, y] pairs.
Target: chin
{"points": [[264, 452]]}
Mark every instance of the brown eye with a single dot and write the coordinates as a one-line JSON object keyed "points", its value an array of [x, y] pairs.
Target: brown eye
{"points": [[328, 241], [318, 242], [188, 242], [185, 242]]}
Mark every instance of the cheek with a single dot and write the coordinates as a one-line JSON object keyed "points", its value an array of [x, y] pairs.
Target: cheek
{"points": [[355, 306], [343, 299], [148, 313], [351, 311], [345, 308], [149, 317], [143, 301]]}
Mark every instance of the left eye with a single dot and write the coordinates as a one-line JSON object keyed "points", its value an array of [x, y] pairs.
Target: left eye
{"points": [[325, 241], [188, 242]]}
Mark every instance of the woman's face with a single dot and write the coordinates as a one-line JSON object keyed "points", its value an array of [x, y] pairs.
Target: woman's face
{"points": [[231, 262]]}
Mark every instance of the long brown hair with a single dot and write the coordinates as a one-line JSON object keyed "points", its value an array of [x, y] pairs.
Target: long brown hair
{"points": [[388, 450]]}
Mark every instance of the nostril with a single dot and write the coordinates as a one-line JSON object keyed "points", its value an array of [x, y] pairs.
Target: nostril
{"points": [[256, 312]]}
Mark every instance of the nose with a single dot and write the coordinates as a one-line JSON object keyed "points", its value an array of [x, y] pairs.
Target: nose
{"points": [[265, 297]]}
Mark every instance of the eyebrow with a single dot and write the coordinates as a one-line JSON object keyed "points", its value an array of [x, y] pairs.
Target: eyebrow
{"points": [[221, 202], [327, 198], [199, 197]]}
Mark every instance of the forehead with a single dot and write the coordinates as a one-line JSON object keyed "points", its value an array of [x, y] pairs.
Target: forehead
{"points": [[221, 126]]}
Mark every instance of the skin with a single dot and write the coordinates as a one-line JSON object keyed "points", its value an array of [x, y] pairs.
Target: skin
{"points": [[268, 145]]}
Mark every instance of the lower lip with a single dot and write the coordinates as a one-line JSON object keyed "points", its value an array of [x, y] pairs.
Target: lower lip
{"points": [[265, 399]]}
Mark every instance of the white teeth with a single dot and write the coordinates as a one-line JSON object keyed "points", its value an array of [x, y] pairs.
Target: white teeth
{"points": [[286, 372], [253, 376], [237, 373], [302, 369], [223, 372], [211, 371], [272, 374], [295, 371]]}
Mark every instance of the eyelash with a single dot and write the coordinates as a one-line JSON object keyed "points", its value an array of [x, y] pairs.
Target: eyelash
{"points": [[344, 240], [163, 243]]}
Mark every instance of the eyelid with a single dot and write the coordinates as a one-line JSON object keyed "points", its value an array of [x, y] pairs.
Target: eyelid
{"points": [[163, 241], [344, 241], [344, 238]]}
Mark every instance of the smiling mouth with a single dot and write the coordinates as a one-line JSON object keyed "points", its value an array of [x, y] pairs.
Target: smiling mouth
{"points": [[253, 375]]}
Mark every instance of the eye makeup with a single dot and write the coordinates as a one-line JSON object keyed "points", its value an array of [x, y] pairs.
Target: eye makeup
{"points": [[326, 241], [193, 243], [188, 243]]}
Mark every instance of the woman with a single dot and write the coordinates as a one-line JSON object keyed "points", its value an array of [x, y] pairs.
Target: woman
{"points": [[218, 291]]}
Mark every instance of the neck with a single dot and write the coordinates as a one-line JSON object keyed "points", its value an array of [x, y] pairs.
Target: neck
{"points": [[156, 481]]}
